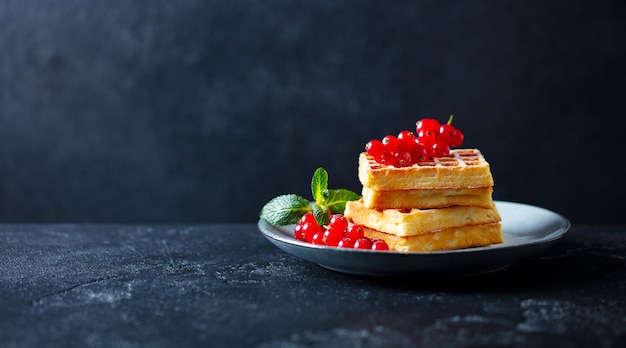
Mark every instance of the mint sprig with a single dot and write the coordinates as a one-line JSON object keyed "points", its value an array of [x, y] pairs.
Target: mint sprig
{"points": [[288, 209]]}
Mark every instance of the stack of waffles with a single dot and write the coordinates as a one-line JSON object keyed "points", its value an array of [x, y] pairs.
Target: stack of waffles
{"points": [[442, 204]]}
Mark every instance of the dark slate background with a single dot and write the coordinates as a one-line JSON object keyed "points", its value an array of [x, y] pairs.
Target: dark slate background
{"points": [[201, 111]]}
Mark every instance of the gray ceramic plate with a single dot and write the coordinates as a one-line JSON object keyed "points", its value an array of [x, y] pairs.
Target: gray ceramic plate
{"points": [[527, 230]]}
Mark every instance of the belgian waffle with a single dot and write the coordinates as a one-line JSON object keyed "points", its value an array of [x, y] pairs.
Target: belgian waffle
{"points": [[426, 199], [462, 168], [413, 222], [447, 239]]}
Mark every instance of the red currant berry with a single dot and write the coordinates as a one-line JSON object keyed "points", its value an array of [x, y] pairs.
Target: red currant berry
{"points": [[390, 142], [299, 234], [426, 138], [406, 134], [441, 150], [308, 217], [458, 139], [430, 152], [379, 244], [385, 158], [374, 148], [428, 125], [346, 243], [318, 238], [338, 222], [418, 153], [363, 243], [447, 133], [402, 158], [355, 231], [309, 229], [332, 237], [406, 139]]}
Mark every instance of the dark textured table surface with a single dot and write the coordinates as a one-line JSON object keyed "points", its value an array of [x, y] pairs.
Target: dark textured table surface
{"points": [[226, 285]]}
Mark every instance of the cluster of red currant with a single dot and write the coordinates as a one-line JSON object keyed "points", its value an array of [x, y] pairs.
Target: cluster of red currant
{"points": [[338, 233], [431, 139]]}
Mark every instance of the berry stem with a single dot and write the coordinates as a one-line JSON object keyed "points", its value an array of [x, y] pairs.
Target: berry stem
{"points": [[450, 119]]}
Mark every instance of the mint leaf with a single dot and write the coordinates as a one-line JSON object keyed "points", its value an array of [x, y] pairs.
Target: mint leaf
{"points": [[337, 199], [321, 214], [319, 185], [285, 210]]}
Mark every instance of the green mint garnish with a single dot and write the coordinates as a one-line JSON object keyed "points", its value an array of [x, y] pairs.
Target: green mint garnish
{"points": [[288, 209], [321, 214], [319, 185], [337, 199], [285, 210]]}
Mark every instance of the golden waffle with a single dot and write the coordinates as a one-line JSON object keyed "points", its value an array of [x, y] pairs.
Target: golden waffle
{"points": [[425, 199], [448, 239], [462, 168], [412, 222]]}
